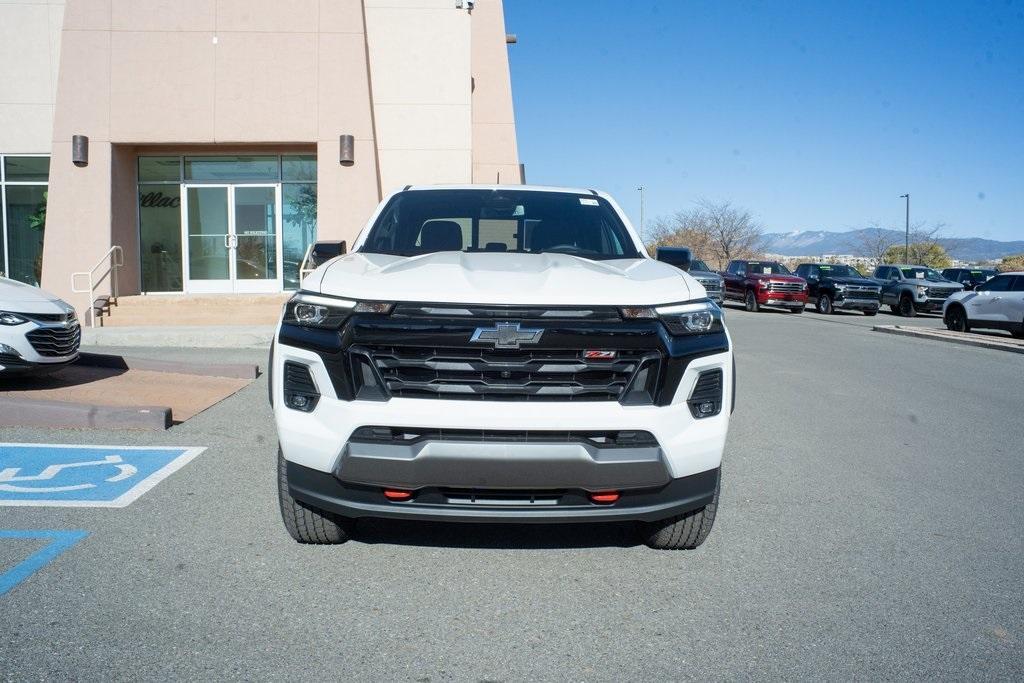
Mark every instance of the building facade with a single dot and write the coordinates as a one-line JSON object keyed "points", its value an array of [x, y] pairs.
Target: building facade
{"points": [[214, 140]]}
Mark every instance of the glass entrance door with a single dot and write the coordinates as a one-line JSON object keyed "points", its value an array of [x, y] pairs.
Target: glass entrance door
{"points": [[232, 238]]}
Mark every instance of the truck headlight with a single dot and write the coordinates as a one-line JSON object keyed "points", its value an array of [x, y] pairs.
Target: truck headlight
{"points": [[10, 319], [326, 312], [698, 317], [922, 290]]}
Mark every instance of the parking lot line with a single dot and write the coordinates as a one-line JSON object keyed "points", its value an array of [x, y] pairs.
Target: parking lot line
{"points": [[59, 542]]}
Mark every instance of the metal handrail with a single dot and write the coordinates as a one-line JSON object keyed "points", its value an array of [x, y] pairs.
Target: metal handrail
{"points": [[303, 270], [114, 258]]}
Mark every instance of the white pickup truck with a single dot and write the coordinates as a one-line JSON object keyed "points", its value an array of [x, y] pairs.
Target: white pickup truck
{"points": [[501, 354]]}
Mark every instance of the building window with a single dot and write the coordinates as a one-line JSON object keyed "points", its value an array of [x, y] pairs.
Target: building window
{"points": [[23, 186], [161, 183], [298, 213]]}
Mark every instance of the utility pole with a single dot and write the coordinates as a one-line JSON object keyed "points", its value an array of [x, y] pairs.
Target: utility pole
{"points": [[906, 244], [641, 191]]}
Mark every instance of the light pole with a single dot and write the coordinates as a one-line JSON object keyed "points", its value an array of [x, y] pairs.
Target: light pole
{"points": [[906, 244], [641, 191]]}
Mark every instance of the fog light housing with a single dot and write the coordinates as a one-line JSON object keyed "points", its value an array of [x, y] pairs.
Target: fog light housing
{"points": [[300, 392], [706, 398]]}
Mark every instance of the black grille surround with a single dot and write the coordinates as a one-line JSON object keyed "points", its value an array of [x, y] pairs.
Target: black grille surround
{"points": [[55, 342], [414, 354], [861, 292], [505, 374]]}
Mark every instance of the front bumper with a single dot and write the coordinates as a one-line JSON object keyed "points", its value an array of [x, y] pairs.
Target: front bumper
{"points": [[930, 305], [856, 304], [783, 302], [547, 506], [11, 364]]}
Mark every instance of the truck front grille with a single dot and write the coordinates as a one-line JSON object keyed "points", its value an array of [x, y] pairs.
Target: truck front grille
{"points": [[509, 375], [940, 292], [861, 292], [55, 341], [710, 285], [785, 287]]}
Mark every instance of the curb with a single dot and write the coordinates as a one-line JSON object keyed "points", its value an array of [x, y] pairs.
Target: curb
{"points": [[21, 412], [966, 339], [232, 370], [193, 336]]}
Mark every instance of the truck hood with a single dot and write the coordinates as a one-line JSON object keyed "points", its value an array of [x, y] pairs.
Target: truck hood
{"points": [[707, 274], [501, 278], [862, 281], [941, 284]]}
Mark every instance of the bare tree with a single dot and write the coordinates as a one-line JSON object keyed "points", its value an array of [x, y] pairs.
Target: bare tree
{"points": [[871, 242], [716, 232]]}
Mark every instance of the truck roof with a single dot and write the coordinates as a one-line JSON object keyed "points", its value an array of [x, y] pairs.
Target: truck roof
{"points": [[527, 188]]}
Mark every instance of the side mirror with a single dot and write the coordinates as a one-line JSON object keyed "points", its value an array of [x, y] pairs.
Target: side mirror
{"points": [[680, 257], [324, 251]]}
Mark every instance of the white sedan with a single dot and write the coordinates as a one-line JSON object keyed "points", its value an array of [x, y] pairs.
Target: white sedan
{"points": [[38, 331], [997, 304]]}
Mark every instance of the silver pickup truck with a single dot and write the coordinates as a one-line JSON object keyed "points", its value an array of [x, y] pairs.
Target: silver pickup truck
{"points": [[909, 290]]}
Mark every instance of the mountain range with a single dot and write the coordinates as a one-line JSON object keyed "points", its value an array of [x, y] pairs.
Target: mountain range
{"points": [[818, 242]]}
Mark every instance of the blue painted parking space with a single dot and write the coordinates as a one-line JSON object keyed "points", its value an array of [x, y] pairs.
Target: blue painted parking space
{"points": [[58, 542], [84, 476]]}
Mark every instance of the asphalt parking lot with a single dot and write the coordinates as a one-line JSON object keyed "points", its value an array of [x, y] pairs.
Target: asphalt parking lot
{"points": [[870, 527]]}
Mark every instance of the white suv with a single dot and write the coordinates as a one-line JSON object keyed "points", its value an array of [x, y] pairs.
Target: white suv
{"points": [[996, 304], [38, 331], [501, 354]]}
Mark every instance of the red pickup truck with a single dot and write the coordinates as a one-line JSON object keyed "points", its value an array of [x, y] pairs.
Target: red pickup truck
{"points": [[764, 283]]}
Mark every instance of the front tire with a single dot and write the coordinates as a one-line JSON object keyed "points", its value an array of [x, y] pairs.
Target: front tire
{"points": [[956, 320], [306, 523], [797, 310], [751, 302], [682, 532], [824, 304], [871, 313], [907, 309]]}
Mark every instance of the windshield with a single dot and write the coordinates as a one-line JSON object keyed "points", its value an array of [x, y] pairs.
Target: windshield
{"points": [[839, 271], [697, 264], [922, 274], [499, 221], [766, 268]]}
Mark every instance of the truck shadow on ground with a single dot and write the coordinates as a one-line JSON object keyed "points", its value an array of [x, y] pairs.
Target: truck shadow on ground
{"points": [[496, 536]]}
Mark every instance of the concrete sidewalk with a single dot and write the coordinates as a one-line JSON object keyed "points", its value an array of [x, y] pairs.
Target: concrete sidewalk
{"points": [[181, 336]]}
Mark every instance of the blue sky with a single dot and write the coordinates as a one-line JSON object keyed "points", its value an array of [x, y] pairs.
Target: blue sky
{"points": [[812, 115]]}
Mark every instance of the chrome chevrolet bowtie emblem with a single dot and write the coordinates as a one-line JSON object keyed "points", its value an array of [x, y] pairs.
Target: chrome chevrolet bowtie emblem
{"points": [[506, 335]]}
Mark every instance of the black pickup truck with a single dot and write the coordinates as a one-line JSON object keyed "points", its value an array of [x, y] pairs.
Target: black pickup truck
{"points": [[837, 286]]}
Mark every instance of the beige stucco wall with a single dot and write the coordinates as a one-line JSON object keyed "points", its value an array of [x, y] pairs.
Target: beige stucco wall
{"points": [[29, 54], [420, 76], [495, 156], [227, 74]]}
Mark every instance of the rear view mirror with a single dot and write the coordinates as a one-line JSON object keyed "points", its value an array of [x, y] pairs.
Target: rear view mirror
{"points": [[680, 257]]}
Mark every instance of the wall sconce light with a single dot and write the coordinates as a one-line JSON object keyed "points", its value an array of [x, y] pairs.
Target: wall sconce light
{"points": [[80, 150], [347, 151]]}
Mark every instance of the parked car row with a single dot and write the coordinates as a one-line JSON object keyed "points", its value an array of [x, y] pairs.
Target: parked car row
{"points": [[967, 297]]}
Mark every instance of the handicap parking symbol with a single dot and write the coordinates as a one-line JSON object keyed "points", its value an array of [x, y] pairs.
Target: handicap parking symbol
{"points": [[84, 476]]}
